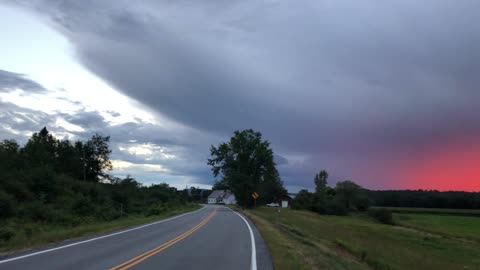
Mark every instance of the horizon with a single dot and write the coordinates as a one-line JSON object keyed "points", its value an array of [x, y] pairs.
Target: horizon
{"points": [[381, 94]]}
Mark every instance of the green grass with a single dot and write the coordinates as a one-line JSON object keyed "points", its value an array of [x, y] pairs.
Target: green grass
{"points": [[358, 242], [293, 249], [463, 227], [30, 235]]}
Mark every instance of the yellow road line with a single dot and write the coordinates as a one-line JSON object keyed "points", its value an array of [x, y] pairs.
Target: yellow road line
{"points": [[140, 258]]}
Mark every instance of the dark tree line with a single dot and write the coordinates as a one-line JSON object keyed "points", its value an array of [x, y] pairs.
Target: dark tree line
{"points": [[66, 183], [345, 197], [81, 160], [425, 199]]}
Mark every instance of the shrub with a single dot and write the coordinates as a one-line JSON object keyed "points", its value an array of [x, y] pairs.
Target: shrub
{"points": [[18, 189], [6, 235], [382, 215], [335, 207], [108, 213], [83, 207], [7, 205], [362, 203], [37, 212], [156, 210], [303, 200]]}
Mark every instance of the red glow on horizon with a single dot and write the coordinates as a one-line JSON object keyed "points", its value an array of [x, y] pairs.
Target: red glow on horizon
{"points": [[454, 167]]}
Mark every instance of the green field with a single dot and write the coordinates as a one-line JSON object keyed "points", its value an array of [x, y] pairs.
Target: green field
{"points": [[463, 227], [305, 240], [29, 235]]}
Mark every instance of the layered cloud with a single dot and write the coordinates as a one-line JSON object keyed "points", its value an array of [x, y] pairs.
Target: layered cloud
{"points": [[359, 87]]}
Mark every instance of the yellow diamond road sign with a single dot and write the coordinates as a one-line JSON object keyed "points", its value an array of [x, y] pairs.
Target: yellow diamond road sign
{"points": [[255, 195]]}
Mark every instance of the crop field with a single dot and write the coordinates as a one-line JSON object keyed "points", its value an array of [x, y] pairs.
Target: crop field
{"points": [[306, 240]]}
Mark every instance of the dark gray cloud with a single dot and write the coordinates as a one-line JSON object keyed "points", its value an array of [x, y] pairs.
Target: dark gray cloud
{"points": [[328, 82], [10, 81]]}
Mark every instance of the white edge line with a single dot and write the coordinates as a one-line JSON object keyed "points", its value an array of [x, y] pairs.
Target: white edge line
{"points": [[97, 238], [253, 265]]}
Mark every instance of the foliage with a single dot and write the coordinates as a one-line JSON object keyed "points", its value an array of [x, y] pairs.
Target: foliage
{"points": [[220, 185], [6, 235], [6, 205], [303, 200], [246, 165], [346, 196], [49, 182], [425, 199], [321, 181], [347, 192], [382, 215]]}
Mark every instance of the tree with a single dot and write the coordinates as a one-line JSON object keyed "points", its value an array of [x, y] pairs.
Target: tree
{"points": [[69, 159], [95, 155], [303, 200], [347, 192], [220, 185], [246, 165], [321, 181], [9, 154], [40, 149]]}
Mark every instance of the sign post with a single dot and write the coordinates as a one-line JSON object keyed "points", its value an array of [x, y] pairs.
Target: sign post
{"points": [[255, 196]]}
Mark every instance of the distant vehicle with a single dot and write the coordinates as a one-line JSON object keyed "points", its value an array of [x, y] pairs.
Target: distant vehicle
{"points": [[273, 204]]}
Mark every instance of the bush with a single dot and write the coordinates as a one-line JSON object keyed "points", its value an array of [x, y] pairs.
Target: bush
{"points": [[37, 212], [362, 203], [156, 210], [303, 200], [7, 205], [83, 207], [382, 215], [335, 207], [108, 213], [6, 235]]}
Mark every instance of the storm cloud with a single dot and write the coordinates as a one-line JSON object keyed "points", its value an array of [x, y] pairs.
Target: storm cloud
{"points": [[345, 85], [10, 81]]}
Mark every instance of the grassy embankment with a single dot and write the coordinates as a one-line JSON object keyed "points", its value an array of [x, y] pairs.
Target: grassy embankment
{"points": [[30, 235], [305, 240]]}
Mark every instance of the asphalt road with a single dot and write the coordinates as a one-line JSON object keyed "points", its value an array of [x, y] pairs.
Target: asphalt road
{"points": [[213, 237]]}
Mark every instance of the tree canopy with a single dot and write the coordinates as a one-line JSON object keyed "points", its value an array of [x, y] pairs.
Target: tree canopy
{"points": [[246, 165]]}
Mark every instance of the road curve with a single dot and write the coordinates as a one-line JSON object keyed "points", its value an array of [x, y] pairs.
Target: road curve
{"points": [[209, 238]]}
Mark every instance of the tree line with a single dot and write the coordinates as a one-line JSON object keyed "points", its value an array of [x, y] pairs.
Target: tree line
{"points": [[346, 196], [51, 181], [425, 199]]}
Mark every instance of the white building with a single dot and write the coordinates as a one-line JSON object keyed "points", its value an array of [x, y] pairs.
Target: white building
{"points": [[221, 196], [229, 199]]}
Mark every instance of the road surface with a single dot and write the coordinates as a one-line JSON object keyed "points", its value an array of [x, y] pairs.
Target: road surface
{"points": [[213, 237]]}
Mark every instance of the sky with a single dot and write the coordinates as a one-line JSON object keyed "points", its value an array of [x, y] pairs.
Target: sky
{"points": [[384, 93]]}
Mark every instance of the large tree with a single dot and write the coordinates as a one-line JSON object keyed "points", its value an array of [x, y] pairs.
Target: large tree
{"points": [[321, 181], [40, 149], [96, 157], [347, 193], [246, 165]]}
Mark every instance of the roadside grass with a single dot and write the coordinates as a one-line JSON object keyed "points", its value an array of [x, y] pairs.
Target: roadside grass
{"points": [[463, 227], [292, 249], [31, 235], [358, 242]]}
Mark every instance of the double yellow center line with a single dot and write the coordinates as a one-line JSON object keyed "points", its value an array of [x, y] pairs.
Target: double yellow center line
{"points": [[140, 258]]}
